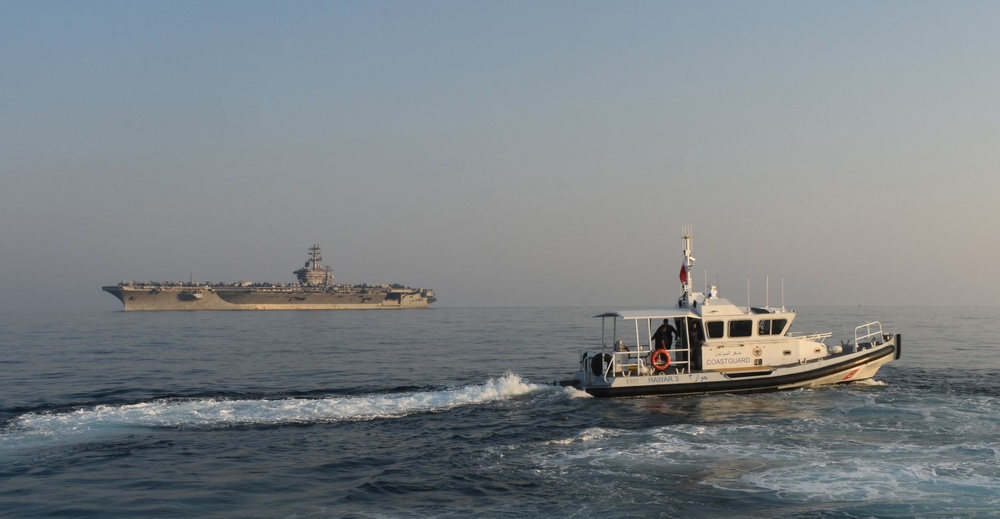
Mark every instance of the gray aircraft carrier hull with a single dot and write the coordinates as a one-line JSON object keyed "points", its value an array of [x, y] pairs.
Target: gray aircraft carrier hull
{"points": [[137, 297]]}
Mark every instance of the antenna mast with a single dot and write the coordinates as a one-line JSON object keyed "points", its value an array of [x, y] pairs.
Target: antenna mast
{"points": [[687, 266]]}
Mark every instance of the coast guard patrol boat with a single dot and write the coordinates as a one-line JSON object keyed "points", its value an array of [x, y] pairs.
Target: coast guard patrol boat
{"points": [[714, 346]]}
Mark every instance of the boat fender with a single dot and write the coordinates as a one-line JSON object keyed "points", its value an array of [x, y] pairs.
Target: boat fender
{"points": [[660, 359]]}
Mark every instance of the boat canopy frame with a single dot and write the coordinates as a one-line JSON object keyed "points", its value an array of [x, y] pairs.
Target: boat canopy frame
{"points": [[638, 316]]}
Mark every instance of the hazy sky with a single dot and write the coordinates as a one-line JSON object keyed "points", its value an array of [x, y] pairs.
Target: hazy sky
{"points": [[504, 153]]}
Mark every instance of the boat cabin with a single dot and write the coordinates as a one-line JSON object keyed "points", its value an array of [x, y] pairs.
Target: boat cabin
{"points": [[709, 334]]}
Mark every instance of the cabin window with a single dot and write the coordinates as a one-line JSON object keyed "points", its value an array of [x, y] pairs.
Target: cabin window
{"points": [[778, 326], [771, 327], [742, 328], [716, 329]]}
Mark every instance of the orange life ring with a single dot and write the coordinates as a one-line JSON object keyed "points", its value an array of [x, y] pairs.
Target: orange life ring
{"points": [[660, 359]]}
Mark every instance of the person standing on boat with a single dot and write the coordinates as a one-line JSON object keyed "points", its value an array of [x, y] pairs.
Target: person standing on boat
{"points": [[663, 338], [695, 340]]}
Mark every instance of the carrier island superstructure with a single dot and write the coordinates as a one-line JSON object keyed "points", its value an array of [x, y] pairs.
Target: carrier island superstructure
{"points": [[314, 291]]}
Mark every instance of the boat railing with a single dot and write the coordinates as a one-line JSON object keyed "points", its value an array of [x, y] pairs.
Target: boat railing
{"points": [[868, 335], [818, 337], [631, 363]]}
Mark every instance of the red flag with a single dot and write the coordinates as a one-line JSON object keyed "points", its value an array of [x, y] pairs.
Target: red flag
{"points": [[684, 273]]}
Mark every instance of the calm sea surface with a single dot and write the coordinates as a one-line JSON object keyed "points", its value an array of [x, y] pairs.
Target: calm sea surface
{"points": [[450, 412]]}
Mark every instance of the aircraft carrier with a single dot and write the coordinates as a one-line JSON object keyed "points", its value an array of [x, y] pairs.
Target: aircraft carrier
{"points": [[315, 291]]}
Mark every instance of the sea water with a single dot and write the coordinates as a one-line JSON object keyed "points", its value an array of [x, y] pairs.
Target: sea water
{"points": [[451, 412]]}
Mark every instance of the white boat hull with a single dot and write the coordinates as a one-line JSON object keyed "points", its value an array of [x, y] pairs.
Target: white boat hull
{"points": [[838, 369]]}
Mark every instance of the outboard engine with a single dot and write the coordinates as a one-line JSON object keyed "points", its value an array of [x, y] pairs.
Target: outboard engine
{"points": [[599, 362]]}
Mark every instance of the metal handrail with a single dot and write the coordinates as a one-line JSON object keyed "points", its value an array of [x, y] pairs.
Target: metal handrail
{"points": [[874, 337], [639, 357], [812, 336]]}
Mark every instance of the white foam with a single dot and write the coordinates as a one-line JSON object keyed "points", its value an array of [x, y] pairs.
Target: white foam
{"points": [[573, 392], [743, 459], [213, 412], [869, 382]]}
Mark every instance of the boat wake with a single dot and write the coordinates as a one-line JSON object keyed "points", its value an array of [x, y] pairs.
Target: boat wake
{"points": [[869, 382], [225, 413]]}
